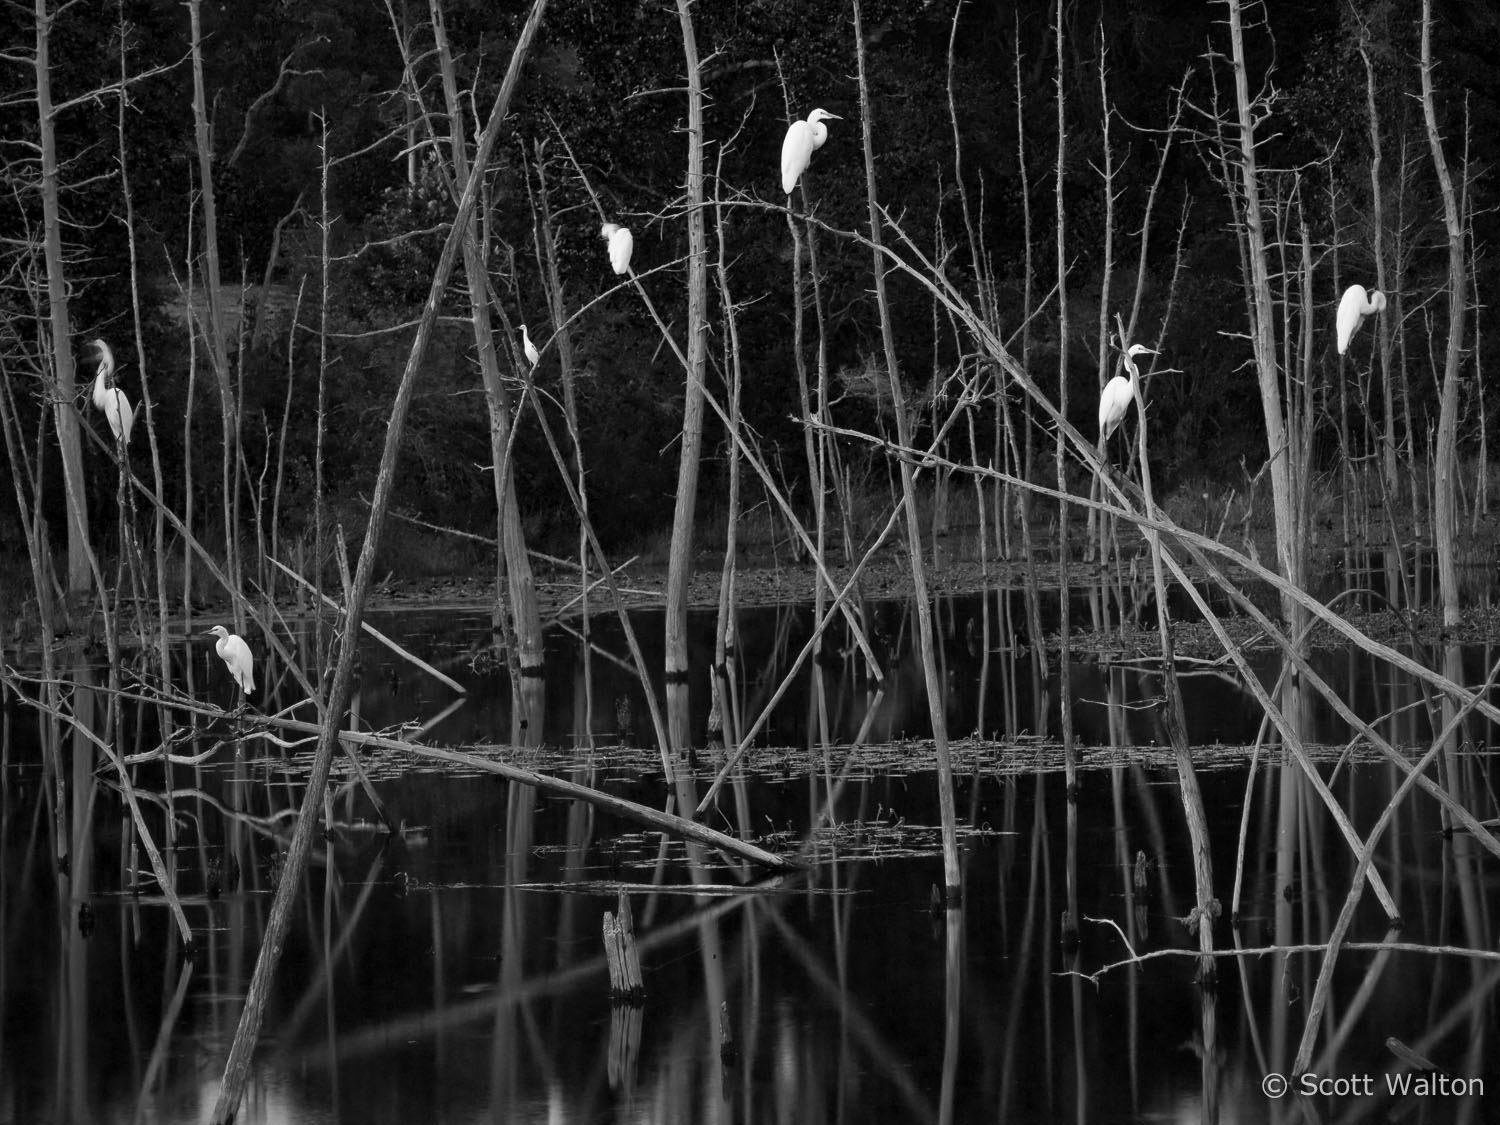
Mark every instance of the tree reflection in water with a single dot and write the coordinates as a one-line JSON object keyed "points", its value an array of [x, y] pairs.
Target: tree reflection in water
{"points": [[455, 967]]}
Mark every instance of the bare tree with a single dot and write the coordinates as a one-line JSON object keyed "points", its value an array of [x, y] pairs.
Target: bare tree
{"points": [[212, 331], [952, 876], [1261, 310], [64, 380], [1446, 453], [680, 563], [1377, 224], [237, 1066], [514, 562]]}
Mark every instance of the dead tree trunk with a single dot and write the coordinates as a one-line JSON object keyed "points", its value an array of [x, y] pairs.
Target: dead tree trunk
{"points": [[213, 330], [525, 618], [936, 699], [1064, 550], [680, 564], [237, 1066], [65, 382], [1260, 308], [1382, 325], [567, 365], [1445, 518]]}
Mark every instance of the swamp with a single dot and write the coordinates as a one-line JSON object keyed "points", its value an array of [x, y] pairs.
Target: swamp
{"points": [[512, 610]]}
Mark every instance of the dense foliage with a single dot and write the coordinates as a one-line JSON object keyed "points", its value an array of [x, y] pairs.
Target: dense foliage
{"points": [[606, 85]]}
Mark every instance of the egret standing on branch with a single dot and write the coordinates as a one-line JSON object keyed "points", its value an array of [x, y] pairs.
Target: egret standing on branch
{"points": [[1354, 306], [533, 356], [797, 149], [235, 654], [1117, 395], [111, 399], [621, 243]]}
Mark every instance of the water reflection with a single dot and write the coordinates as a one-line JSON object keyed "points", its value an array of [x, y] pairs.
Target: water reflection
{"points": [[454, 969], [990, 690]]}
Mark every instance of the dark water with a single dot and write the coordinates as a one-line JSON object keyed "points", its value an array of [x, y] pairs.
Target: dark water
{"points": [[454, 971]]}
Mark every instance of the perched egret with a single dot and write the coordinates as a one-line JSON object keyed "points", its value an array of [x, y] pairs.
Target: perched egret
{"points": [[1354, 306], [801, 139], [235, 654], [105, 371], [533, 356], [621, 243], [1118, 392], [111, 399]]}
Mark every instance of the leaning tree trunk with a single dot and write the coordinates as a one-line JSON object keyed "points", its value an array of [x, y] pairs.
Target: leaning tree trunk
{"points": [[1289, 551], [213, 331], [1445, 518], [69, 438], [1382, 326], [680, 565], [936, 697], [567, 366], [237, 1066], [1064, 550], [525, 617]]}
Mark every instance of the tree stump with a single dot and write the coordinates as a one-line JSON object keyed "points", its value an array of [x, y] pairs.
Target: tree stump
{"points": [[625, 985]]}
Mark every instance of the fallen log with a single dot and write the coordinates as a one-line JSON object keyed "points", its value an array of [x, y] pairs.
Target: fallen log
{"points": [[557, 787], [411, 657]]}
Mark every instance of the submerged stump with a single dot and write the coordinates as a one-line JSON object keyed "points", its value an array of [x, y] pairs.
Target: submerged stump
{"points": [[625, 985]]}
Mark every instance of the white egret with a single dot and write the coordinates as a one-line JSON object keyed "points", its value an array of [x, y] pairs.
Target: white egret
{"points": [[797, 149], [110, 399], [1117, 395], [621, 243], [1354, 306], [533, 356], [235, 654], [105, 371]]}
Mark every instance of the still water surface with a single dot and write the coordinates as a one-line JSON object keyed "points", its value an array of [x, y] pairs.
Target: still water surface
{"points": [[454, 970]]}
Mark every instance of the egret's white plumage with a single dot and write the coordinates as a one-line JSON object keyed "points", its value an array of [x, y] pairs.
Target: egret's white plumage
{"points": [[797, 149], [621, 243], [235, 654], [110, 399], [533, 356], [1117, 394], [119, 414], [106, 370], [1354, 306]]}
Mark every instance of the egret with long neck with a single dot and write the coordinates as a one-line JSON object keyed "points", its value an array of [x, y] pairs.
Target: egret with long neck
{"points": [[802, 137], [111, 399], [236, 655], [1118, 394]]}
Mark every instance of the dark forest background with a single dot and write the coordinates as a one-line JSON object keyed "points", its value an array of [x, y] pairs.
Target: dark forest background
{"points": [[606, 79]]}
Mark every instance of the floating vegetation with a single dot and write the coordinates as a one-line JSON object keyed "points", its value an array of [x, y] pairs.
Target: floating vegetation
{"points": [[907, 758], [894, 839], [611, 888]]}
